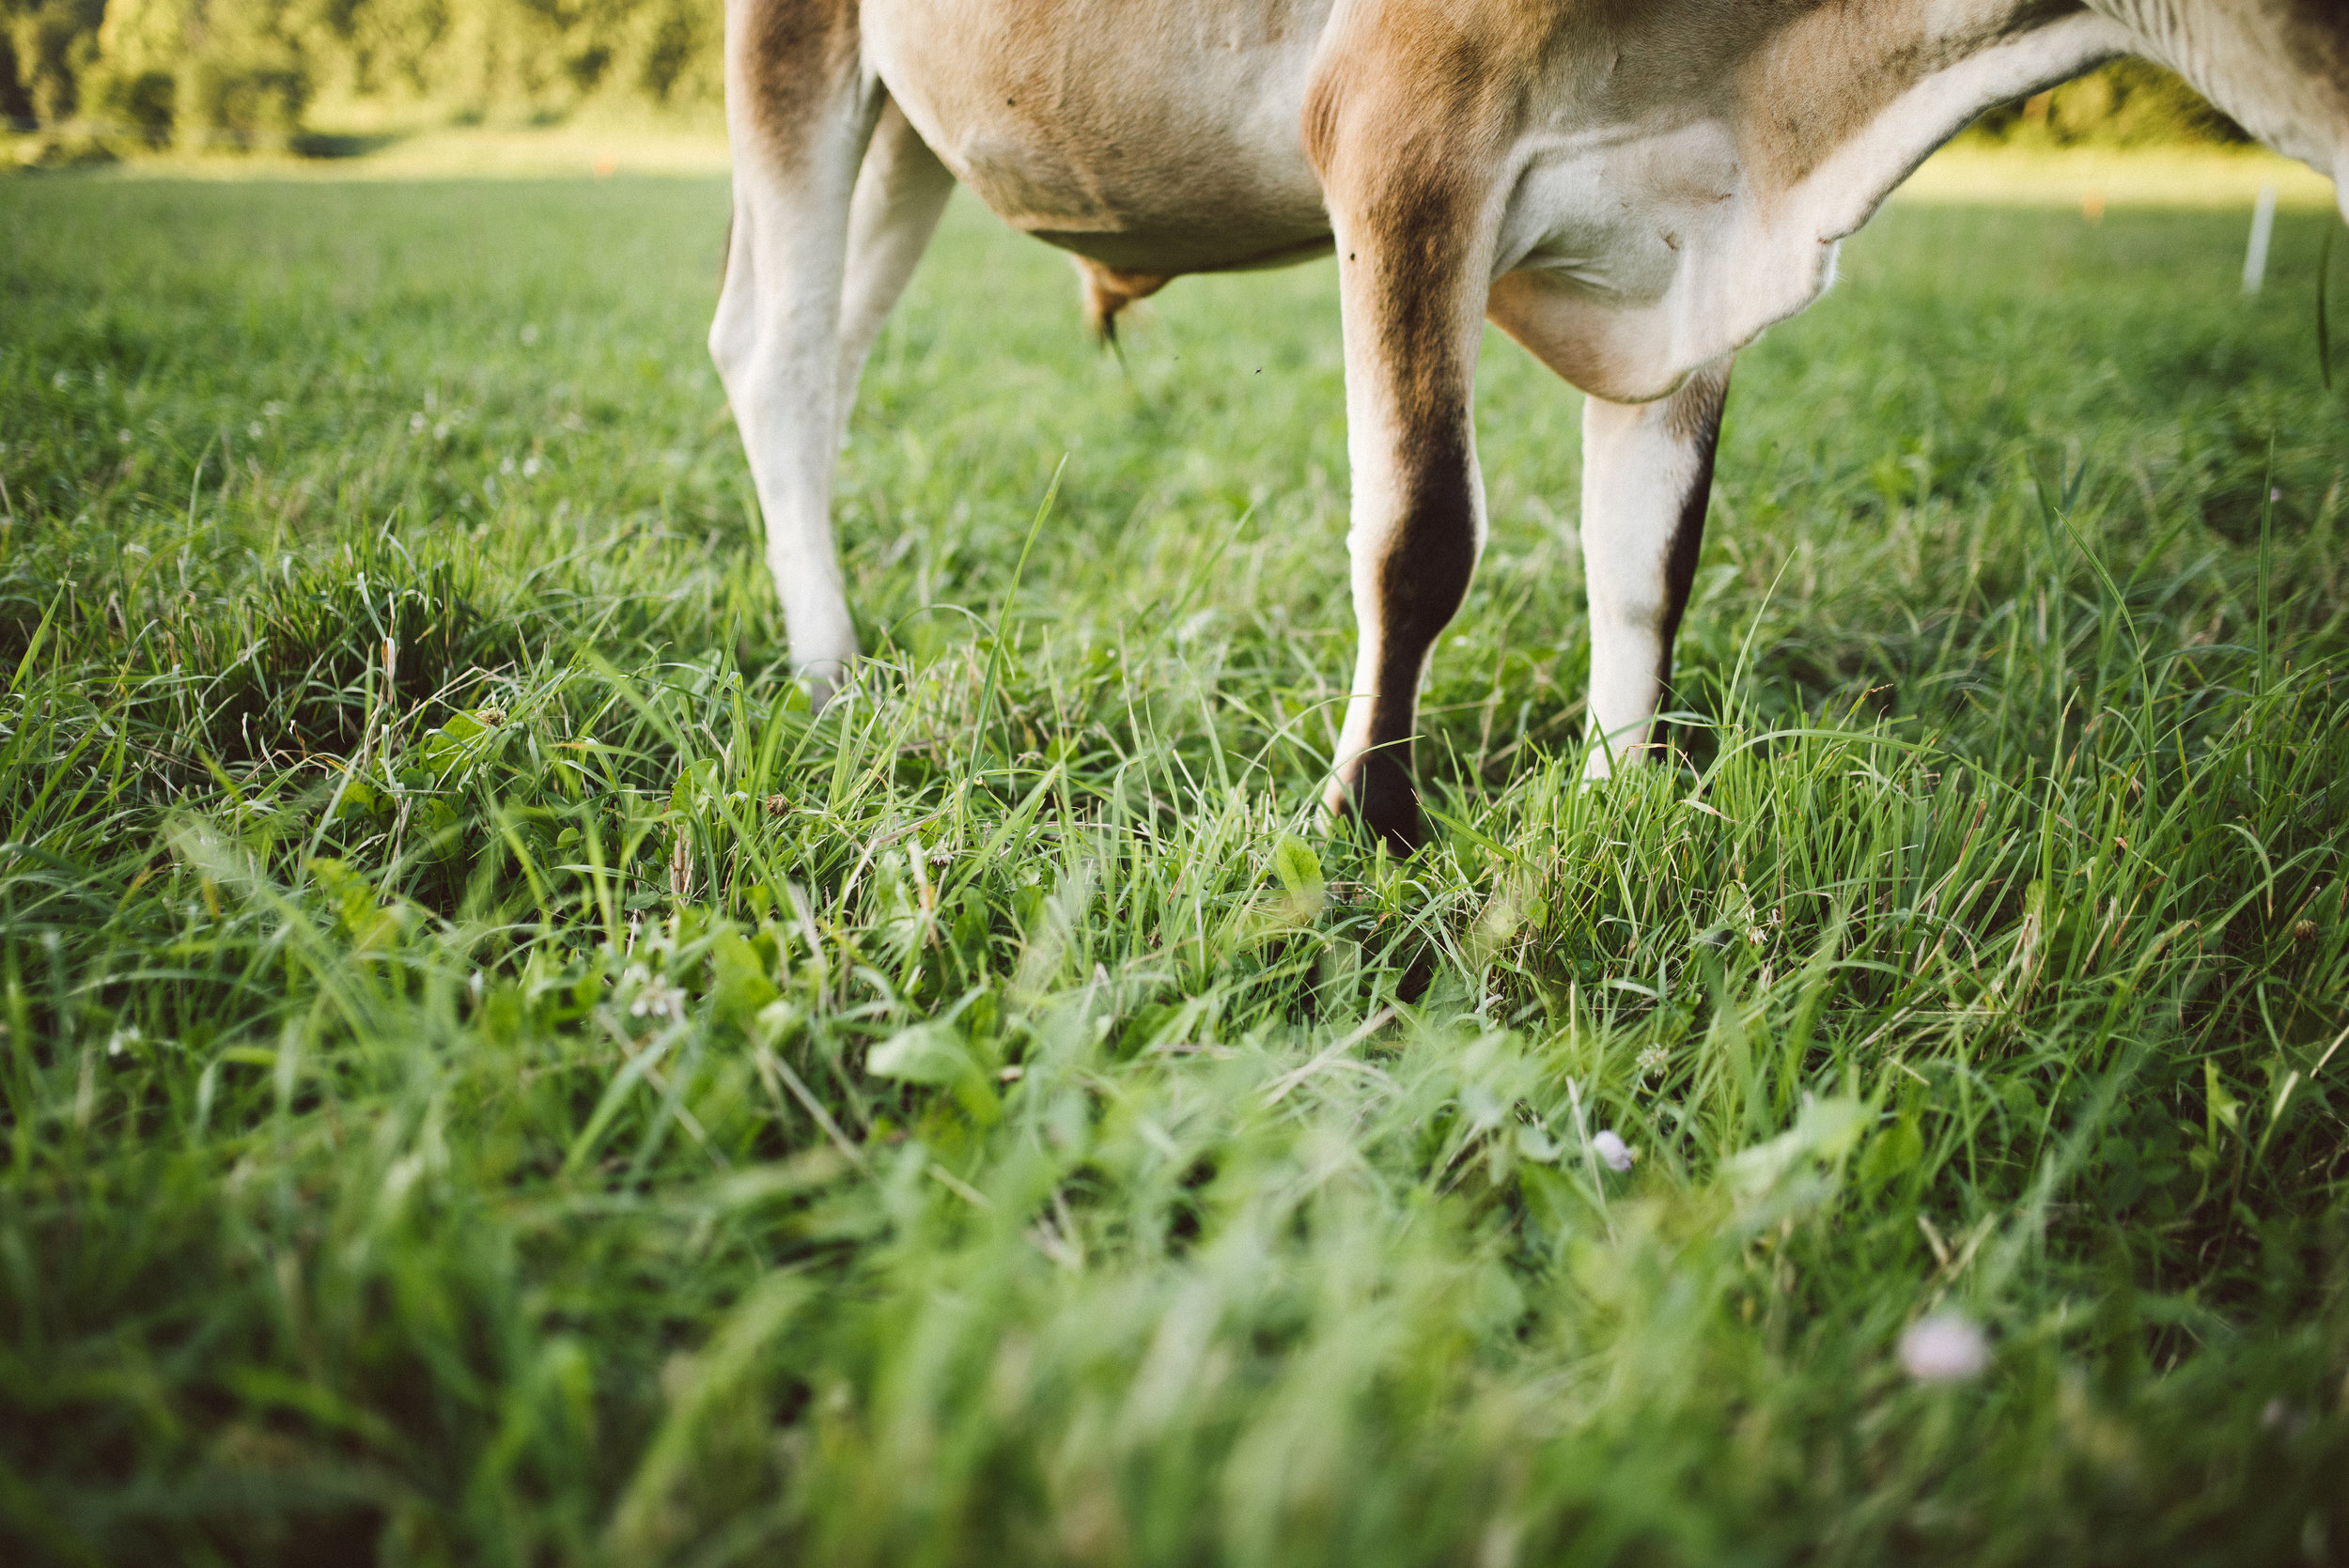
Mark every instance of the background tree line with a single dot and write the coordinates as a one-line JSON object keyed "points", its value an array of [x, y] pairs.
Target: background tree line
{"points": [[258, 70], [246, 72]]}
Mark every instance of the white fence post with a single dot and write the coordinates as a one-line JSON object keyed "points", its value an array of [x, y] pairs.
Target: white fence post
{"points": [[2263, 230]]}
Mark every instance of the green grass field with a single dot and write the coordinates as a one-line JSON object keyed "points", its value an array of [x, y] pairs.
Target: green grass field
{"points": [[488, 1079]]}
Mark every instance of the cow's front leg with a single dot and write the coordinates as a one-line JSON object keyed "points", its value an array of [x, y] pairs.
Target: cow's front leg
{"points": [[1412, 216], [1412, 295], [1647, 473], [800, 109]]}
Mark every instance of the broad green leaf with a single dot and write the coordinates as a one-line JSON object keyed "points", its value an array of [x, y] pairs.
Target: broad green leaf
{"points": [[742, 986], [926, 1053], [1892, 1154], [1299, 870]]}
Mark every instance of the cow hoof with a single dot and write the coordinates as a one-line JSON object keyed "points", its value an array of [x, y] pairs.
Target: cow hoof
{"points": [[1381, 798]]}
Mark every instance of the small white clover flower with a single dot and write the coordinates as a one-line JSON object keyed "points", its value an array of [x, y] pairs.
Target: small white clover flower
{"points": [[655, 997], [1652, 1060], [1944, 1348], [1611, 1150]]}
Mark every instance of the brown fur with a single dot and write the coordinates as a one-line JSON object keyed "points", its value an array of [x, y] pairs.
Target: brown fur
{"points": [[2319, 30], [1063, 118], [800, 54], [1403, 125]]}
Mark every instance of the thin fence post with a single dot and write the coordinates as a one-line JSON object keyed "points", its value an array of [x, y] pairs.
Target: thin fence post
{"points": [[2263, 230]]}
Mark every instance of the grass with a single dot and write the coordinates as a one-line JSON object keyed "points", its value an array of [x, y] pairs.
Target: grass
{"points": [[369, 148], [486, 1078]]}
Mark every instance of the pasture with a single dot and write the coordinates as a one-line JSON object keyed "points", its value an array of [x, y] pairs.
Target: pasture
{"points": [[488, 1079]]}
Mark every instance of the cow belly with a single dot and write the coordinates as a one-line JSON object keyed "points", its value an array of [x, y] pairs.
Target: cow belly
{"points": [[1153, 135]]}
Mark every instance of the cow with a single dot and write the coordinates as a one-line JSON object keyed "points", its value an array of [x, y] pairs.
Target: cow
{"points": [[1633, 190]]}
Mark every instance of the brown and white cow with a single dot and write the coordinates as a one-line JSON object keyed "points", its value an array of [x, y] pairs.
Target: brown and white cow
{"points": [[1632, 189]]}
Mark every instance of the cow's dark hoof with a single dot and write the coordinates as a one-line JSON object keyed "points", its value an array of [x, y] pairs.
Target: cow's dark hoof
{"points": [[1381, 798], [1418, 976]]}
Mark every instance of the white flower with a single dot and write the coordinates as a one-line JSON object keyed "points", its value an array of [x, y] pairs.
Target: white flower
{"points": [[655, 997], [1944, 1348], [1652, 1060], [1611, 1150]]}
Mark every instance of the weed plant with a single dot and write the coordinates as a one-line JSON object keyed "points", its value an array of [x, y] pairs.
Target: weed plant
{"points": [[490, 1078]]}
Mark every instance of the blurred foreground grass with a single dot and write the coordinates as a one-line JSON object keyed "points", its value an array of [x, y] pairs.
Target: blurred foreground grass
{"points": [[487, 1079]]}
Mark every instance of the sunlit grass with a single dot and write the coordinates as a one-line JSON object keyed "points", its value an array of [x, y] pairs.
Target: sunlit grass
{"points": [[488, 1077]]}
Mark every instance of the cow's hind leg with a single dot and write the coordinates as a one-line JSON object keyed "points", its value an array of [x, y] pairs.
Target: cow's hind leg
{"points": [[1647, 471], [899, 196], [800, 110]]}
